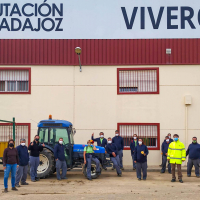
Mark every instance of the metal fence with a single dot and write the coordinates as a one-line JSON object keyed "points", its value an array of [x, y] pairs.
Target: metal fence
{"points": [[150, 134], [21, 131]]}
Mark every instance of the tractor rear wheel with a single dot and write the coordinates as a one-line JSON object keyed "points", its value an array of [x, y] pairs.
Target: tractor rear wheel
{"points": [[47, 164], [94, 174]]}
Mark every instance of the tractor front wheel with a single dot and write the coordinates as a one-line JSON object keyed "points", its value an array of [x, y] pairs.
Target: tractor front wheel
{"points": [[94, 174], [47, 164]]}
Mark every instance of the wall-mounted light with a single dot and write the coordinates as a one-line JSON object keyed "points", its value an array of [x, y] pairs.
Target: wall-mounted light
{"points": [[78, 52]]}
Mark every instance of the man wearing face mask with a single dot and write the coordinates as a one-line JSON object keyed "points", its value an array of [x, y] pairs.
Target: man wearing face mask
{"points": [[133, 144], [165, 146], [119, 142], [35, 148], [59, 154], [194, 157], [101, 141], [112, 150], [23, 163], [140, 157], [170, 138], [176, 155]]}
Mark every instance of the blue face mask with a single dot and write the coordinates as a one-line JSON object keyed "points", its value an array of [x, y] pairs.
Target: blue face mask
{"points": [[175, 139]]}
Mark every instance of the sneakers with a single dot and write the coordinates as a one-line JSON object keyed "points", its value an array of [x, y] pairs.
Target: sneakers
{"points": [[119, 175], [5, 190], [17, 185], [89, 179], [181, 181], [189, 175], [37, 179], [33, 180], [15, 189], [64, 178], [173, 180], [139, 179], [25, 183], [58, 179]]}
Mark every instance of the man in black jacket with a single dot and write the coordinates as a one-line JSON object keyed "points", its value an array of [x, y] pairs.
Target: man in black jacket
{"points": [[23, 163], [133, 144], [194, 157], [35, 149], [59, 154], [119, 142], [112, 150], [165, 146]]}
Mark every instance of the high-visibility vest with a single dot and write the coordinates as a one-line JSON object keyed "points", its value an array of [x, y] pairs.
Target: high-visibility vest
{"points": [[176, 152]]}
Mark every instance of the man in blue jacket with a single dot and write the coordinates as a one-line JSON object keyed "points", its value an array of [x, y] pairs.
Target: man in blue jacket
{"points": [[22, 170], [119, 142], [165, 146], [59, 154], [112, 150], [133, 144], [101, 141], [194, 157], [140, 157]]}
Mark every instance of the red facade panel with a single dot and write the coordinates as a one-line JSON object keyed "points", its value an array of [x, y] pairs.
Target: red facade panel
{"points": [[100, 52]]}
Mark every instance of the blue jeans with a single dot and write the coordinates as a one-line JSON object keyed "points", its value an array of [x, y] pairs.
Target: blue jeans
{"points": [[61, 165], [13, 169], [34, 163]]}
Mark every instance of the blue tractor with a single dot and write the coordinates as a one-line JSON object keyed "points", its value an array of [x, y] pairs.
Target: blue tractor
{"points": [[50, 131]]}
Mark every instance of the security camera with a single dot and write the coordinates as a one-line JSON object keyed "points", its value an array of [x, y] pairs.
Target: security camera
{"points": [[78, 50]]}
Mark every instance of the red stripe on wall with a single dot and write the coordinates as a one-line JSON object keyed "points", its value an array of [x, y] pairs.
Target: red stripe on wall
{"points": [[100, 52]]}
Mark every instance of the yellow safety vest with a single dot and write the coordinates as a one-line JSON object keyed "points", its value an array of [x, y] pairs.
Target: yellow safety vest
{"points": [[176, 152]]}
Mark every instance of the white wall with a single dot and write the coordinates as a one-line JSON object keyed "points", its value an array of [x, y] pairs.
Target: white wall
{"points": [[89, 100]]}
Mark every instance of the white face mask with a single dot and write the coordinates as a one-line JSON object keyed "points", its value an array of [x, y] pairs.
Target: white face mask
{"points": [[140, 142], [169, 137], [60, 142], [101, 136], [117, 134], [167, 140], [23, 144], [109, 142], [135, 138]]}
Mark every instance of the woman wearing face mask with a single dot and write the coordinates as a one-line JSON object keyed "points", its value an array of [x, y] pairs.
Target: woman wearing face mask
{"points": [[89, 156], [140, 157], [10, 163], [35, 148]]}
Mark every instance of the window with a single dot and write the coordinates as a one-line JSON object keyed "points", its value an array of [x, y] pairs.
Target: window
{"points": [[149, 132], [15, 80], [22, 130], [56, 133], [138, 81]]}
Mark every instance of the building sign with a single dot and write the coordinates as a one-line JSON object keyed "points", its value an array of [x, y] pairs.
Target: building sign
{"points": [[99, 19]]}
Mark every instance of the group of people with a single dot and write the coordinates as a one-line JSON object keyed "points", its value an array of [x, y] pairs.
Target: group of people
{"points": [[173, 152], [114, 148], [16, 160]]}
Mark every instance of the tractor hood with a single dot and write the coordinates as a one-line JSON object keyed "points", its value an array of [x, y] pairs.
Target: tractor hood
{"points": [[80, 148]]}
